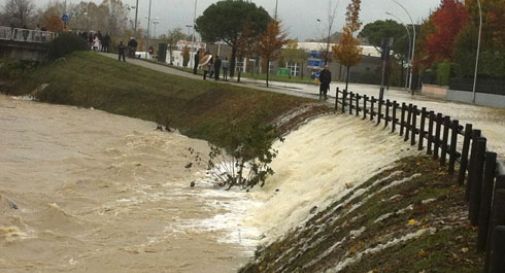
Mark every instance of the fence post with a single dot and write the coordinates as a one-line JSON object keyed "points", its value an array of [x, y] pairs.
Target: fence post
{"points": [[464, 154], [336, 100], [351, 96], [357, 104], [438, 126], [393, 126], [344, 96], [476, 180], [497, 263], [372, 101], [430, 132], [421, 128], [497, 219], [445, 138], [402, 118], [485, 204], [388, 103], [413, 129], [407, 123], [365, 98], [454, 143], [379, 111]]}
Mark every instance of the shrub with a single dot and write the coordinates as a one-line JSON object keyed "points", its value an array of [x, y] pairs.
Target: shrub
{"points": [[66, 43], [247, 162]]}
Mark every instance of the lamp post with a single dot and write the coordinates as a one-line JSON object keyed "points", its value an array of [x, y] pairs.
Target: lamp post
{"points": [[410, 44], [413, 44], [478, 52], [148, 28], [276, 5]]}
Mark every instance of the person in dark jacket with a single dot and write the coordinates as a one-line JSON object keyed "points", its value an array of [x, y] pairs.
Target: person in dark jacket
{"points": [[324, 83], [196, 61], [121, 51], [217, 67]]}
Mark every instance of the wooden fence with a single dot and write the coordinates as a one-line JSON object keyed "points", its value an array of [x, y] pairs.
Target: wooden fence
{"points": [[447, 141]]}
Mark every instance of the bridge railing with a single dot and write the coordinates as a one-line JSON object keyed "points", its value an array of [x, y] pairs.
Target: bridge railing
{"points": [[26, 35]]}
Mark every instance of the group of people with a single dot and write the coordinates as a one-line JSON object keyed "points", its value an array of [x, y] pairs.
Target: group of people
{"points": [[97, 41], [210, 65], [128, 49]]}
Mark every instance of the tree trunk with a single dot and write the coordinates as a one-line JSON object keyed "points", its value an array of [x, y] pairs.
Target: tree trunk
{"points": [[233, 60], [347, 78]]}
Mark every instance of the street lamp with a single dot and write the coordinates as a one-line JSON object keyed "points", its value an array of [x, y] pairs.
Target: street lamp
{"points": [[478, 52], [410, 45], [413, 44]]}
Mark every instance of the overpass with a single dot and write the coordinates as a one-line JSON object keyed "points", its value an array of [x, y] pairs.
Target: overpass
{"points": [[24, 44]]}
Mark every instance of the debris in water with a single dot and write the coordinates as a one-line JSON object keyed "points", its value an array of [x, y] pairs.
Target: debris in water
{"points": [[12, 204], [188, 165], [192, 184]]}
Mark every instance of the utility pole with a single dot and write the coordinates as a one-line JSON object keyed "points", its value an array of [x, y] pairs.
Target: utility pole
{"points": [[136, 15], [276, 5], [148, 29]]}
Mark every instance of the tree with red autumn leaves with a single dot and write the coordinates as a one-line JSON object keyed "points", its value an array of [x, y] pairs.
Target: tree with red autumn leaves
{"points": [[446, 23]]}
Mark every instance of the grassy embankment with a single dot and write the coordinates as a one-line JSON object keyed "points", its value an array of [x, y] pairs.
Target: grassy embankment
{"points": [[200, 109], [358, 232]]}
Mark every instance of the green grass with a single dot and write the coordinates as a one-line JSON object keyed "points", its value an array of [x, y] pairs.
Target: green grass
{"points": [[200, 109]]}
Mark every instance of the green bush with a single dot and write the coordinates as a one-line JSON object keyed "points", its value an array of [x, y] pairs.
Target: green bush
{"points": [[66, 43], [443, 73]]}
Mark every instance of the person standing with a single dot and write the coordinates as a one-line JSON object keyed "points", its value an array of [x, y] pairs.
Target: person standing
{"points": [[225, 64], [106, 42], [217, 67], [121, 51], [324, 83], [196, 59], [132, 47]]}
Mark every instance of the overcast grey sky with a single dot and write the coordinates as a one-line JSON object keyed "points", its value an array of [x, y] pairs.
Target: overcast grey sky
{"points": [[299, 17]]}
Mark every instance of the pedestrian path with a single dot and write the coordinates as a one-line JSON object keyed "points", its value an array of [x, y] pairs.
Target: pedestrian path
{"points": [[277, 87], [490, 120]]}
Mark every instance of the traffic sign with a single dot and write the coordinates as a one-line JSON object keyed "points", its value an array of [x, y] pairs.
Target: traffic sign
{"points": [[65, 18]]}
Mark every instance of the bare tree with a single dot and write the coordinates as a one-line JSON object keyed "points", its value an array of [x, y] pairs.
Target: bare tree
{"points": [[332, 13], [17, 13]]}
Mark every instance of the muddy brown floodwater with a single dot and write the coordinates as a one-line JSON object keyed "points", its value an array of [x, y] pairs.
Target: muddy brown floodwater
{"points": [[86, 191]]}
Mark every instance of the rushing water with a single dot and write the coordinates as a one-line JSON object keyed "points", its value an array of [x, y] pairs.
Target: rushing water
{"points": [[86, 191]]}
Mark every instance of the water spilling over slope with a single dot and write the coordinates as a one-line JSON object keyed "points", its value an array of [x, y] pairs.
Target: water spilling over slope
{"points": [[316, 163]]}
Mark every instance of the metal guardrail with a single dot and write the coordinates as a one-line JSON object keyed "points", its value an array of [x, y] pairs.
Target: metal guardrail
{"points": [[26, 35]]}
